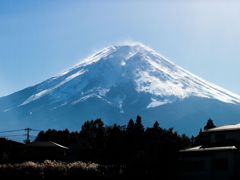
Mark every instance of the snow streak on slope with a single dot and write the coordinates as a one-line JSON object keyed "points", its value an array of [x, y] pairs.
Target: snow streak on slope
{"points": [[47, 91], [114, 67]]}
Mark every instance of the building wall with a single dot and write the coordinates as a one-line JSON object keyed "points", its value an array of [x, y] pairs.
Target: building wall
{"points": [[225, 137], [212, 165]]}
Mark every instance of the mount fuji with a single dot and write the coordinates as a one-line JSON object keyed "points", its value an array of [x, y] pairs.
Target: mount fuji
{"points": [[116, 84]]}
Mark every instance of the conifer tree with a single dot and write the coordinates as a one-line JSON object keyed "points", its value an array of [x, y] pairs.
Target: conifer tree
{"points": [[209, 124]]}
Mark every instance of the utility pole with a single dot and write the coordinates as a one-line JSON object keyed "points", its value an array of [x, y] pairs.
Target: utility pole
{"points": [[27, 141]]}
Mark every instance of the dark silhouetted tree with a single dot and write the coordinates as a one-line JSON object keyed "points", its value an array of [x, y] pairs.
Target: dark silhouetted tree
{"points": [[156, 125], [100, 137], [209, 124], [151, 153], [138, 125], [130, 126]]}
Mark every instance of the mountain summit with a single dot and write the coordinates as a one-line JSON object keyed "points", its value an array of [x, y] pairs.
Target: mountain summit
{"points": [[135, 65], [117, 83]]}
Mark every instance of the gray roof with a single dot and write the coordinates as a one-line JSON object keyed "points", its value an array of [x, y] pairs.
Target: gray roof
{"points": [[225, 128], [45, 144], [201, 148]]}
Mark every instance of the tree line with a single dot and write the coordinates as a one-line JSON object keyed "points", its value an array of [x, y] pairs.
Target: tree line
{"points": [[129, 150], [146, 152]]}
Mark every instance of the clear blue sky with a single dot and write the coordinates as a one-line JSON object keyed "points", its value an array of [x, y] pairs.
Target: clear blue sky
{"points": [[39, 39]]}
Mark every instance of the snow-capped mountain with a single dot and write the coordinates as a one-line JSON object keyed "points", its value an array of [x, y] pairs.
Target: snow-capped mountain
{"points": [[117, 83]]}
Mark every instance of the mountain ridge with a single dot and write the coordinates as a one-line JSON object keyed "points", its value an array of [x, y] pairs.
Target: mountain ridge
{"points": [[126, 80], [134, 49]]}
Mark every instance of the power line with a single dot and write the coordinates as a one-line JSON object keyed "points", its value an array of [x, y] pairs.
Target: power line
{"points": [[13, 135], [32, 136], [12, 131], [27, 135]]}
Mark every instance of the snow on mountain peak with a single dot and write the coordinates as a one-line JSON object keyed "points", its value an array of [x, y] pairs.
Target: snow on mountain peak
{"points": [[135, 64]]}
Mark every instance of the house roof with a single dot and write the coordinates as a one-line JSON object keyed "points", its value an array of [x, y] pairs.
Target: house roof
{"points": [[201, 148], [45, 144], [224, 128], [6, 144]]}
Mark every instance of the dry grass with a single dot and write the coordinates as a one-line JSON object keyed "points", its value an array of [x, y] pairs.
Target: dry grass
{"points": [[60, 170], [52, 165]]}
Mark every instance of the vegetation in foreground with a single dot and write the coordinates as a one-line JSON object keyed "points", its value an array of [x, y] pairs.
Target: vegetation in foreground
{"points": [[144, 152], [49, 169], [118, 151]]}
